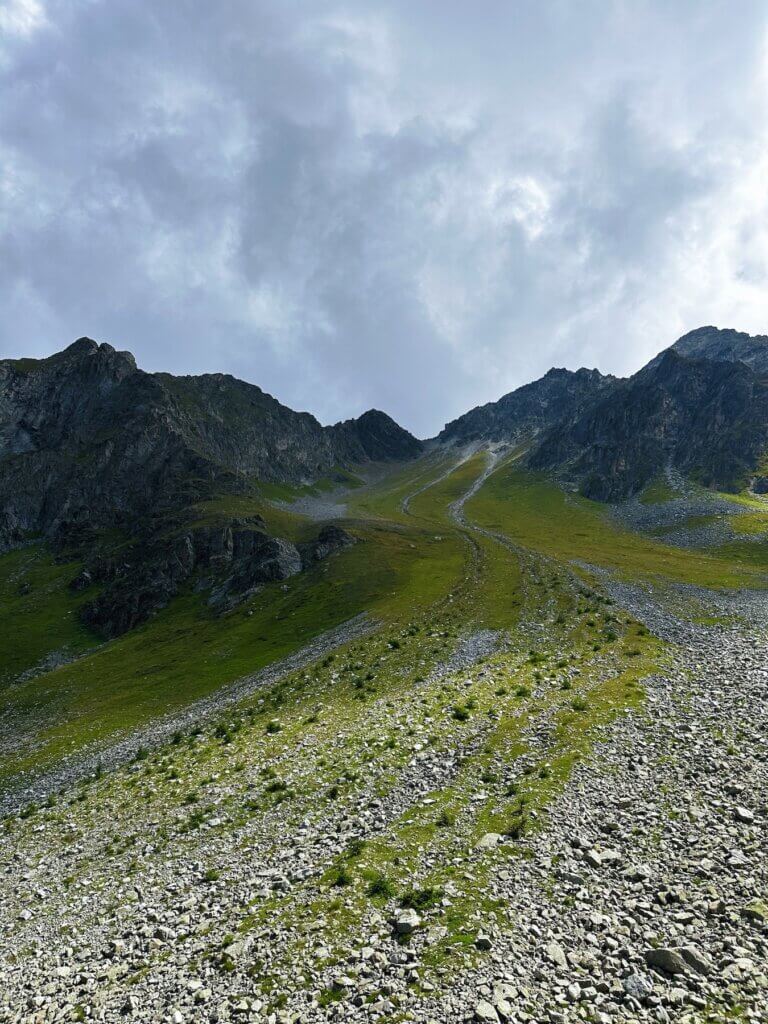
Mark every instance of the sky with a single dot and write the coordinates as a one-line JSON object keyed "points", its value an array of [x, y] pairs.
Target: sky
{"points": [[412, 206]]}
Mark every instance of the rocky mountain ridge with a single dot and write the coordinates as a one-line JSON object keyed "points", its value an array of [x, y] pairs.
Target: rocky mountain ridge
{"points": [[707, 419], [725, 346], [699, 407], [91, 446], [529, 409], [86, 438]]}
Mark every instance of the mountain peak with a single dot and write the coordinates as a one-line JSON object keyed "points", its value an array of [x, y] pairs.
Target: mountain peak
{"points": [[376, 436], [724, 345], [107, 357], [81, 347], [529, 409]]}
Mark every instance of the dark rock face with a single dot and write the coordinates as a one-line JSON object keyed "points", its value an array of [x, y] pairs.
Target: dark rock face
{"points": [[528, 410], [699, 406], [375, 437], [87, 440], [232, 562], [708, 419], [725, 346], [330, 540], [90, 445]]}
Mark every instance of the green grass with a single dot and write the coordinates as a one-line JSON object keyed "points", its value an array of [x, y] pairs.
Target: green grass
{"points": [[405, 564], [38, 611], [338, 478], [658, 491], [278, 521], [185, 652], [538, 515], [752, 524]]}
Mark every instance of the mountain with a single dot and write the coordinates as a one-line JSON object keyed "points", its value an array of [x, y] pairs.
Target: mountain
{"points": [[725, 346], [706, 415], [338, 770], [699, 406], [87, 439], [528, 410], [92, 448]]}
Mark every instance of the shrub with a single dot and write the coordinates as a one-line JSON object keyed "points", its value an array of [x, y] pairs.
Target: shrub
{"points": [[421, 899], [517, 825], [381, 886]]}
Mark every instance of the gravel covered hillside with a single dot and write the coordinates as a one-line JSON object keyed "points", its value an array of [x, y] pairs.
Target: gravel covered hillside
{"points": [[537, 804]]}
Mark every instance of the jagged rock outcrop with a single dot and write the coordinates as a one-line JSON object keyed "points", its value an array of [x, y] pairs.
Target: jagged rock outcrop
{"points": [[524, 413], [725, 346], [708, 419], [231, 562], [87, 440], [330, 540]]}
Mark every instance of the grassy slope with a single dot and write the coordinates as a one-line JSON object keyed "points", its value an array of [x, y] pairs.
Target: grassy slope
{"points": [[406, 564], [378, 706], [38, 613], [538, 515], [185, 652]]}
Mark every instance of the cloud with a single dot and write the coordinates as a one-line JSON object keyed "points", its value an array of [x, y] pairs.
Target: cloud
{"points": [[414, 207]]}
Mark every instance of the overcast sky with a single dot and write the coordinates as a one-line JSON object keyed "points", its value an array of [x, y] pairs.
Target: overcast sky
{"points": [[415, 205]]}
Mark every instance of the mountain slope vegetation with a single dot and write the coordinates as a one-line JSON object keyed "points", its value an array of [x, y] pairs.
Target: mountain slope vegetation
{"points": [[328, 723]]}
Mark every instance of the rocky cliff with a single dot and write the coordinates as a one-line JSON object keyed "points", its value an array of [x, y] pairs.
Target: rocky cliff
{"points": [[530, 409], [88, 440], [91, 447], [707, 417]]}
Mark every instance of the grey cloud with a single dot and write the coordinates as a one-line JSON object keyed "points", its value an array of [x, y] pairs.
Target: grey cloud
{"points": [[414, 207]]}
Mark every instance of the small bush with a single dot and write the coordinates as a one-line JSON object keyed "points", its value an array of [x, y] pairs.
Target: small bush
{"points": [[381, 886], [421, 899], [517, 825]]}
